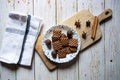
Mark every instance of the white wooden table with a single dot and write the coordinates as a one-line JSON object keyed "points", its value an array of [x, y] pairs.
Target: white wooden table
{"points": [[99, 62]]}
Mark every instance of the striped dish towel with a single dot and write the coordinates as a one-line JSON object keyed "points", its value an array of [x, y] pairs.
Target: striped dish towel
{"points": [[19, 38]]}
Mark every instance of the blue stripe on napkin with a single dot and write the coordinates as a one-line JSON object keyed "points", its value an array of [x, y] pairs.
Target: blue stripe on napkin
{"points": [[25, 37]]}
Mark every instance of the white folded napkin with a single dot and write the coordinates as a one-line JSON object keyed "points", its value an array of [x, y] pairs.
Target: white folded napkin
{"points": [[13, 37], [35, 27]]}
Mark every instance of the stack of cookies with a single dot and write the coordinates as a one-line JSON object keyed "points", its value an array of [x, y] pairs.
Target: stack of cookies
{"points": [[62, 44]]}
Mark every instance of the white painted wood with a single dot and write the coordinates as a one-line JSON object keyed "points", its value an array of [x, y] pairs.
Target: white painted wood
{"points": [[93, 64], [5, 70], [25, 73], [26, 7], [91, 61], [65, 9], [44, 9], [8, 72], [112, 42]]}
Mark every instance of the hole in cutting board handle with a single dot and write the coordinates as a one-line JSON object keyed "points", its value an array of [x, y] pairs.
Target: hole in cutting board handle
{"points": [[107, 12], [105, 15]]}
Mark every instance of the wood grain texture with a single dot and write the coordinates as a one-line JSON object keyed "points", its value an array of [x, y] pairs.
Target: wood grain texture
{"points": [[49, 64], [91, 61], [25, 7], [99, 62], [7, 71], [112, 42], [65, 9], [44, 9]]}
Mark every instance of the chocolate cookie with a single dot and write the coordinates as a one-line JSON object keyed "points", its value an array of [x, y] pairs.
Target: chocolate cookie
{"points": [[56, 31], [73, 42], [64, 41], [67, 50], [73, 49], [55, 38], [57, 45], [62, 53]]}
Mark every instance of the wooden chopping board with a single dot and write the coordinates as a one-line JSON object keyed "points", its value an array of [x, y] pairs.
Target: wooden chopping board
{"points": [[82, 16]]}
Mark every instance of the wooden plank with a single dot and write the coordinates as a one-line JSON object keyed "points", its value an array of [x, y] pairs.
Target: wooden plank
{"points": [[8, 5], [49, 64], [25, 7], [91, 61], [65, 9], [7, 72], [44, 9], [112, 42]]}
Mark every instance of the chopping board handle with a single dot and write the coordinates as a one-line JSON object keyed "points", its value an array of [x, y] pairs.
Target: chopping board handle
{"points": [[105, 14]]}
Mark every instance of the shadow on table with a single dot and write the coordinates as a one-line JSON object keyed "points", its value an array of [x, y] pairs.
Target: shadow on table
{"points": [[14, 66], [9, 66], [105, 20], [68, 64]]}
